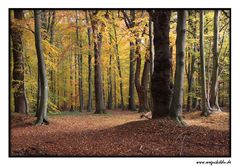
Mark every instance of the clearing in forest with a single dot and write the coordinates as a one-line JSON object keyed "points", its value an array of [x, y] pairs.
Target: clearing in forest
{"points": [[120, 133]]}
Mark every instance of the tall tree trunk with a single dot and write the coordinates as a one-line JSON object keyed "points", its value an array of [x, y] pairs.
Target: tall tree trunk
{"points": [[20, 101], [118, 63], [80, 75], [42, 118], [89, 106], [177, 101], [191, 63], [52, 73], [214, 80], [160, 84], [97, 36], [110, 95], [142, 86], [131, 102], [205, 109], [137, 74]]}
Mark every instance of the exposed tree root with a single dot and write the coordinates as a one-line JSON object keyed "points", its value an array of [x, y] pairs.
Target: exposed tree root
{"points": [[179, 120]]}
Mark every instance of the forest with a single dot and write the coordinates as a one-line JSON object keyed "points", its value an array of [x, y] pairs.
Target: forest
{"points": [[119, 82]]}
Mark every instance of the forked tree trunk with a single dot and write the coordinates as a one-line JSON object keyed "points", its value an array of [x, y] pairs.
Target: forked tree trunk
{"points": [[20, 101], [215, 73], [205, 109], [160, 84], [177, 101], [42, 118]]}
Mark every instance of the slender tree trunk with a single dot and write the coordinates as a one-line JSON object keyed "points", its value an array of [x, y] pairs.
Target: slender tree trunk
{"points": [[42, 118], [89, 106], [79, 55], [177, 101], [205, 109], [110, 93], [20, 101], [131, 101], [97, 36], [214, 80], [160, 87], [118, 63]]}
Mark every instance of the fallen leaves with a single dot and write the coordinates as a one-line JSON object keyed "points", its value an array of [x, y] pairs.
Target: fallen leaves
{"points": [[121, 133]]}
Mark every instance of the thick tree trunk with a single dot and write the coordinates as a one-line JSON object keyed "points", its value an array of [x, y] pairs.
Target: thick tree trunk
{"points": [[97, 36], [160, 84], [205, 109], [20, 101], [177, 101], [42, 118], [214, 80]]}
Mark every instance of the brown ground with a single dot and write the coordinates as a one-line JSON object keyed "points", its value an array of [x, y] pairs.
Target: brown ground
{"points": [[120, 133]]}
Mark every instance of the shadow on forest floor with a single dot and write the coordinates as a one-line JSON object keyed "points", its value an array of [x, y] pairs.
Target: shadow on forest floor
{"points": [[122, 134]]}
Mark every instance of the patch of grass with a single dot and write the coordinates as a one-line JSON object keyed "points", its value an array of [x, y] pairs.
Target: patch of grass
{"points": [[75, 113]]}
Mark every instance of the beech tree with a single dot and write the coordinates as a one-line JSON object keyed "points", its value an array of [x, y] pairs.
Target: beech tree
{"points": [[20, 100], [205, 108], [177, 101], [42, 116], [97, 41], [215, 73], [160, 84]]}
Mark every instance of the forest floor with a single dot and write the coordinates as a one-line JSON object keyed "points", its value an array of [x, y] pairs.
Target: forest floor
{"points": [[120, 133]]}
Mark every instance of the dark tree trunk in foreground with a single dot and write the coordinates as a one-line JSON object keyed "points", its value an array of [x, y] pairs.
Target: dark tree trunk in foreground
{"points": [[160, 84], [89, 106], [42, 118], [97, 36], [205, 109], [177, 101], [215, 73], [20, 100]]}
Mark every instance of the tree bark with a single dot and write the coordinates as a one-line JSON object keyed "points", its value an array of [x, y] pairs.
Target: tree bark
{"points": [[214, 80], [89, 106], [118, 63], [130, 24], [18, 84], [160, 84], [80, 75], [97, 36], [177, 101], [205, 109], [42, 118]]}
